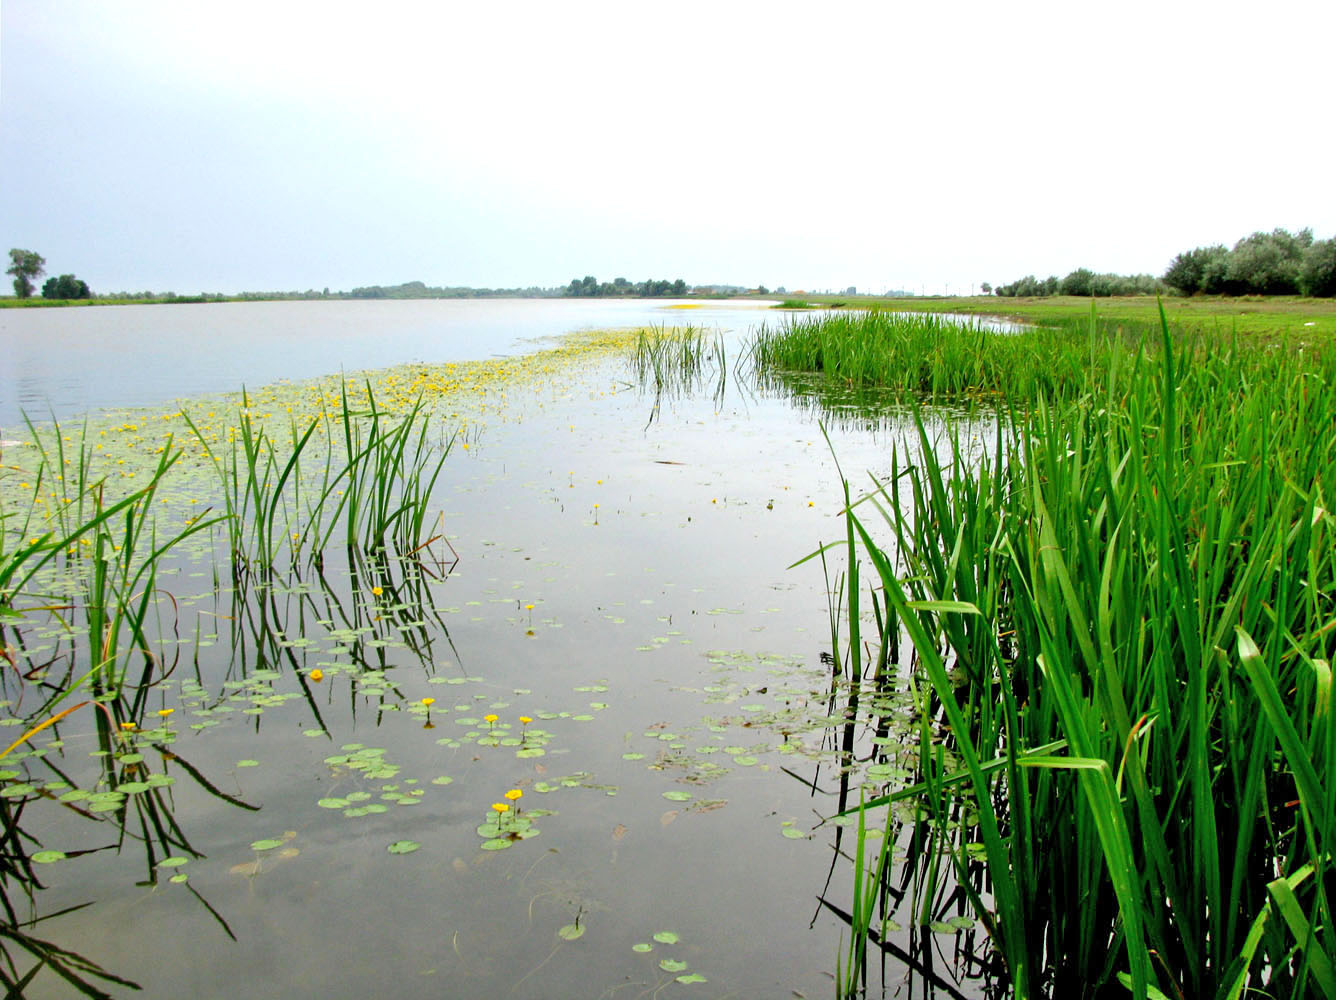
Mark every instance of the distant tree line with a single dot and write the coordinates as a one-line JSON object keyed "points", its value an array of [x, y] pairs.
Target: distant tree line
{"points": [[1274, 263], [588, 287], [418, 290], [1083, 282]]}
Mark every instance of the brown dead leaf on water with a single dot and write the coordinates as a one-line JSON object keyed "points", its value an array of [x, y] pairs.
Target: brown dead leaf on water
{"points": [[669, 816], [247, 868], [619, 831]]}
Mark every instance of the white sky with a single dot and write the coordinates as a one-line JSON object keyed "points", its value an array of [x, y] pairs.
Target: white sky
{"points": [[275, 145]]}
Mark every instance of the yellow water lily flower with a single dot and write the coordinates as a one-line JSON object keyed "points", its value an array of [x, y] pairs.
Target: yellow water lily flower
{"points": [[377, 591], [502, 807], [514, 794], [428, 702], [164, 712], [317, 675], [525, 720], [489, 719]]}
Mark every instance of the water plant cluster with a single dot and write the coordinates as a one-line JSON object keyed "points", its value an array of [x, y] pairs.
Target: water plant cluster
{"points": [[1116, 621], [929, 357]]}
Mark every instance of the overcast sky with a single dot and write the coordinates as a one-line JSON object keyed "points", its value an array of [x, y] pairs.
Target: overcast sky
{"points": [[256, 146]]}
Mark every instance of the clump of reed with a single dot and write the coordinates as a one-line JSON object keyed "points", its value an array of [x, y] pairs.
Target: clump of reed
{"points": [[921, 355], [672, 358], [108, 549], [374, 480], [672, 361], [1121, 617]]}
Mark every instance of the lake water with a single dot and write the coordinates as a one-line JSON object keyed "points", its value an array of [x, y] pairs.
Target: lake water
{"points": [[69, 361], [624, 580]]}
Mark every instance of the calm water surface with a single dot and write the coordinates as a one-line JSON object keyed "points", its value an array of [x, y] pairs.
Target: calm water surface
{"points": [[75, 360], [623, 579]]}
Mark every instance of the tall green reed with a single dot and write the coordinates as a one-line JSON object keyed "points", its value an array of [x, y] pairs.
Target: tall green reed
{"points": [[373, 480], [1120, 613]]}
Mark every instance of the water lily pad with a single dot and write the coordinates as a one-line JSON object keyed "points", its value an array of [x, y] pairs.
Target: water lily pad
{"points": [[644, 947], [667, 937], [676, 795], [173, 862], [692, 977], [266, 845], [403, 847], [47, 857], [499, 844], [571, 932], [672, 965], [333, 803], [248, 763]]}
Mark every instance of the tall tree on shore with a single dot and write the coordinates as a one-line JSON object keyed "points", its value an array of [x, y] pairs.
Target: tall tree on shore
{"points": [[26, 266]]}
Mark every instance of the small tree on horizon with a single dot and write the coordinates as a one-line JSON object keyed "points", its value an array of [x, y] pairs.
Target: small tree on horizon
{"points": [[26, 266]]}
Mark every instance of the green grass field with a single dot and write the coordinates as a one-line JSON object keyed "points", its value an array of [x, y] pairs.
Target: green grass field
{"points": [[1312, 320]]}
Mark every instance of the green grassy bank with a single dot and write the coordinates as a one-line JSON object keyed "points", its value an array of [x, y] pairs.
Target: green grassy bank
{"points": [[1250, 316]]}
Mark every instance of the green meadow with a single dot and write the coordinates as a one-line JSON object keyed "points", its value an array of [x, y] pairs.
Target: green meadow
{"points": [[1269, 317]]}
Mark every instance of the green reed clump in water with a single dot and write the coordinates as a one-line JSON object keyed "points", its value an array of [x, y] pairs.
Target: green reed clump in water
{"points": [[1122, 615], [377, 485], [667, 358], [922, 355]]}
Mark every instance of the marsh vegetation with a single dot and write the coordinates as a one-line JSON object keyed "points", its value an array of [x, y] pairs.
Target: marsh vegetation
{"points": [[1044, 713]]}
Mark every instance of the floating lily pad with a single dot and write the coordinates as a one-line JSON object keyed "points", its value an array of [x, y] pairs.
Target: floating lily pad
{"points": [[667, 937], [47, 857], [266, 845], [692, 977], [173, 862], [333, 803], [672, 965], [248, 763], [677, 796], [403, 847], [644, 947], [571, 932], [499, 844]]}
